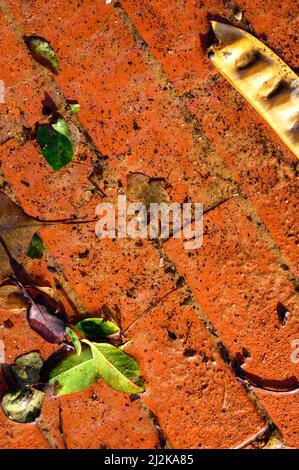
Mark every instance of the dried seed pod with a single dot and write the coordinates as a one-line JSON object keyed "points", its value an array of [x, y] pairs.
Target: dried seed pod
{"points": [[269, 85]]}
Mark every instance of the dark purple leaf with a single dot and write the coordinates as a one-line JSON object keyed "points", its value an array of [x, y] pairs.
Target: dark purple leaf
{"points": [[43, 315], [50, 327]]}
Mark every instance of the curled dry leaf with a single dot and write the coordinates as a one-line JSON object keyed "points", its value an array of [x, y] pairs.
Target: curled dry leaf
{"points": [[46, 290], [11, 299], [144, 189], [42, 52], [16, 231]]}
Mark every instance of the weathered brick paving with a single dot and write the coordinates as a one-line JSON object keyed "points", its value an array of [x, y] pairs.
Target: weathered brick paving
{"points": [[151, 102]]}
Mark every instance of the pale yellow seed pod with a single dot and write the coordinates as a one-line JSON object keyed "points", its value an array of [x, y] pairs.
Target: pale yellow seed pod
{"points": [[262, 77]]}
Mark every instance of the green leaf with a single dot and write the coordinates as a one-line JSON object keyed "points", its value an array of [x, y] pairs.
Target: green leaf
{"points": [[75, 108], [36, 248], [42, 52], [116, 368], [75, 340], [70, 373], [26, 369], [96, 328], [23, 406], [56, 144]]}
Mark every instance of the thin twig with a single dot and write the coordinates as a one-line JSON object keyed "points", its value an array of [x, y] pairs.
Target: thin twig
{"points": [[253, 438], [148, 309]]}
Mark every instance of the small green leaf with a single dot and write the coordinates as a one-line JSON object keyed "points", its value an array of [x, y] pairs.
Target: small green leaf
{"points": [[61, 127], [96, 328], [56, 144], [75, 108], [36, 248], [42, 52], [75, 340], [26, 369], [23, 406], [116, 368]]}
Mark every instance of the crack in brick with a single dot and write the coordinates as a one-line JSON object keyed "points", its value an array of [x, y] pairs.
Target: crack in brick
{"points": [[223, 351], [61, 429]]}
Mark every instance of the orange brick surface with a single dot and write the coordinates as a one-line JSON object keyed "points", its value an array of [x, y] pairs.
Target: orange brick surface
{"points": [[151, 102], [259, 161]]}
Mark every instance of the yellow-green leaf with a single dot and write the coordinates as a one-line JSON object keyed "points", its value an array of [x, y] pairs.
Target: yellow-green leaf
{"points": [[116, 368], [23, 406], [42, 52], [69, 373]]}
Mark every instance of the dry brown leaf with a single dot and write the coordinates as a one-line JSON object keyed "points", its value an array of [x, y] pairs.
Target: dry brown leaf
{"points": [[16, 231], [47, 290], [142, 188], [11, 299]]}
